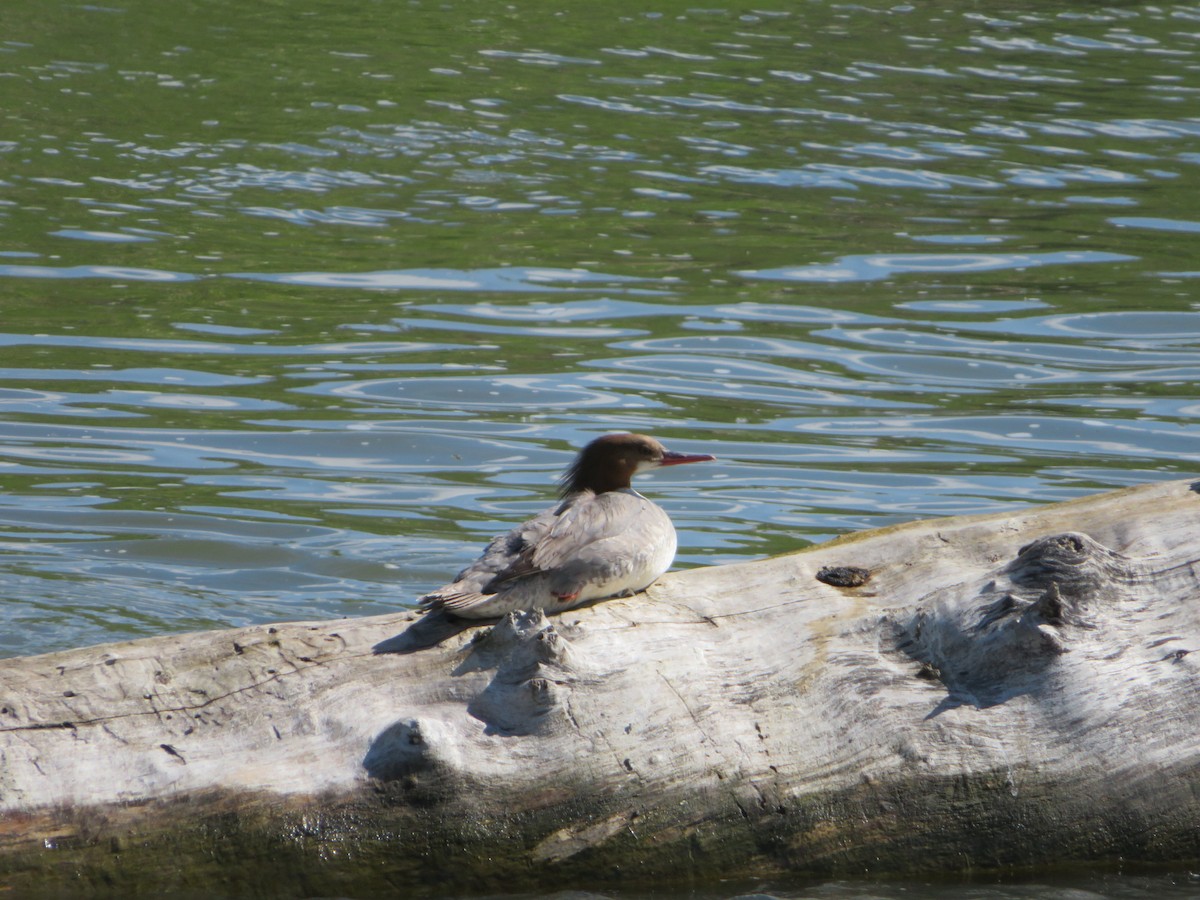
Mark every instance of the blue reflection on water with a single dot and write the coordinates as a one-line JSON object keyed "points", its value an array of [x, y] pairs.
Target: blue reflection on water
{"points": [[874, 266], [109, 272], [524, 279], [106, 237], [1155, 224], [507, 279]]}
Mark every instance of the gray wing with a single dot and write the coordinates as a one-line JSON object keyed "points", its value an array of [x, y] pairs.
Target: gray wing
{"points": [[570, 542], [586, 522], [508, 555]]}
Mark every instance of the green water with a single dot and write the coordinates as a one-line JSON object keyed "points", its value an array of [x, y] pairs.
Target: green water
{"points": [[303, 301]]}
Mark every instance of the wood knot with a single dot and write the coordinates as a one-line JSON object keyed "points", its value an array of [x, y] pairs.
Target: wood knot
{"points": [[1050, 606], [414, 751], [536, 668], [534, 704], [1072, 564], [516, 628], [552, 650], [550, 646], [929, 672], [843, 576], [1069, 546]]}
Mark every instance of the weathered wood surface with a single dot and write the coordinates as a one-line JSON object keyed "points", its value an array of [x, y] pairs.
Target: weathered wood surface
{"points": [[972, 705]]}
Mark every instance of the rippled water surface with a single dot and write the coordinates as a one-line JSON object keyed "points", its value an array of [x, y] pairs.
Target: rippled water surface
{"points": [[301, 302]]}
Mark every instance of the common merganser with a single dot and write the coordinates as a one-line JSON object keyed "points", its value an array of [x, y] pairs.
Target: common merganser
{"points": [[602, 540]]}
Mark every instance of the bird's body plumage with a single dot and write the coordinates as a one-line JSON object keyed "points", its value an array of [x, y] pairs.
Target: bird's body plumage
{"points": [[603, 540]]}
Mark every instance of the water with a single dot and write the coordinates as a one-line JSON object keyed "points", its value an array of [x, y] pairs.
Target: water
{"points": [[302, 302]]}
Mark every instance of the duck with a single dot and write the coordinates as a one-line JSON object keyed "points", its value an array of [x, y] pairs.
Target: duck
{"points": [[603, 539]]}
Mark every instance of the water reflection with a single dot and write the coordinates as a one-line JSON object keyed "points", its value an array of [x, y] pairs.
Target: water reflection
{"points": [[487, 393], [514, 279], [109, 272], [522, 279], [874, 266]]}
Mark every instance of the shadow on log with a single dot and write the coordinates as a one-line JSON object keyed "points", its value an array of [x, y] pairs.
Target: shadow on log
{"points": [[959, 694]]}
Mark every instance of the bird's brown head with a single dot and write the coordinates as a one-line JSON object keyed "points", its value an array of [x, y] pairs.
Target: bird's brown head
{"points": [[609, 463]]}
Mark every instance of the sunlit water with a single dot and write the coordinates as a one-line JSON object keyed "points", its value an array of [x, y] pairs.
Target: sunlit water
{"points": [[302, 302]]}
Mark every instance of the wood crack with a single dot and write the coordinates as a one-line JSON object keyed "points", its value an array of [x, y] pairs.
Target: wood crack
{"points": [[157, 710]]}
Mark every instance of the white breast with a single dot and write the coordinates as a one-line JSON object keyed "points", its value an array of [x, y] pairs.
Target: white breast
{"points": [[642, 551]]}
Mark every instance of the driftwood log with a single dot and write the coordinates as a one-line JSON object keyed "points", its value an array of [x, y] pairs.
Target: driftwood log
{"points": [[957, 694]]}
